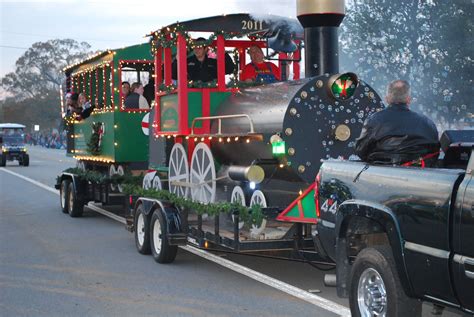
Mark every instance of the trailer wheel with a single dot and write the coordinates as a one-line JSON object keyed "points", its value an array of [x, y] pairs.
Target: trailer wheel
{"points": [[74, 204], [375, 289], [142, 231], [63, 195], [26, 160], [161, 250]]}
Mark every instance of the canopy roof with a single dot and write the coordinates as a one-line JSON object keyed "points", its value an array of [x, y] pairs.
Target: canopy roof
{"points": [[11, 126], [241, 24]]}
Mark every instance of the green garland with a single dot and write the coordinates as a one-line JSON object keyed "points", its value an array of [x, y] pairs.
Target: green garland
{"points": [[93, 145], [132, 186]]}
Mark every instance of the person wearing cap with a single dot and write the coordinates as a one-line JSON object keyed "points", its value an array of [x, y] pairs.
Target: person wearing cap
{"points": [[200, 66], [258, 70]]}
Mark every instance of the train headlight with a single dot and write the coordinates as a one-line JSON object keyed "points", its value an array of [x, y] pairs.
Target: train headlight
{"points": [[343, 86]]}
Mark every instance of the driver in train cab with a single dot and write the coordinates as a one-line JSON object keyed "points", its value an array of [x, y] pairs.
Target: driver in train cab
{"points": [[201, 67], [258, 70]]}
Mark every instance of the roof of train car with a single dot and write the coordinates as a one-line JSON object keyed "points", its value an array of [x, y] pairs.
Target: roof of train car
{"points": [[238, 23], [128, 52], [11, 126]]}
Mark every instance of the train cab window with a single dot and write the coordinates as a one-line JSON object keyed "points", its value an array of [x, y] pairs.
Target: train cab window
{"points": [[136, 72]]}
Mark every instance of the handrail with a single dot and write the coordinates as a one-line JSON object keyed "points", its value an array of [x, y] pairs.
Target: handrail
{"points": [[219, 123]]}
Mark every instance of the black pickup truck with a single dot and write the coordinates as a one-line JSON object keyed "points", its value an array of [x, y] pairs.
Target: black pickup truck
{"points": [[401, 235]]}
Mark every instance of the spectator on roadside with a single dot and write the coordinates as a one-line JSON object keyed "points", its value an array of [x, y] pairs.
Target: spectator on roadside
{"points": [[258, 70], [200, 66], [136, 100]]}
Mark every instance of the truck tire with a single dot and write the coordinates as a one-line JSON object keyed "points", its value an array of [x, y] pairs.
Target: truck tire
{"points": [[161, 250], [142, 231], [63, 195], [26, 160], [375, 288], [74, 204], [3, 160]]}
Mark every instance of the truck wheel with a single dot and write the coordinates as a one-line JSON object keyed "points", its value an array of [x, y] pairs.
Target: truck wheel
{"points": [[74, 204], [26, 160], [375, 289], [63, 195], [161, 250], [142, 231], [3, 160]]}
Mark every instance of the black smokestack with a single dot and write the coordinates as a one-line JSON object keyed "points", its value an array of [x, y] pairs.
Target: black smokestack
{"points": [[321, 20]]}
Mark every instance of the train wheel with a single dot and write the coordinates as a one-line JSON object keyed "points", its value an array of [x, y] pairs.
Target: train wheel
{"points": [[238, 196], [120, 172], [156, 183], [147, 180], [203, 175], [258, 198], [112, 172], [81, 165], [178, 170]]}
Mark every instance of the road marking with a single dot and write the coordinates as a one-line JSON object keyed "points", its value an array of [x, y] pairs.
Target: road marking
{"points": [[272, 282], [53, 190], [257, 276]]}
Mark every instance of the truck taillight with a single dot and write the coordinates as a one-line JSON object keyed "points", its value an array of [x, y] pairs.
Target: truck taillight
{"points": [[316, 194]]}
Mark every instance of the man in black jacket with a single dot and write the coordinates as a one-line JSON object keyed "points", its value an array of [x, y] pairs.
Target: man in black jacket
{"points": [[397, 135], [200, 66]]}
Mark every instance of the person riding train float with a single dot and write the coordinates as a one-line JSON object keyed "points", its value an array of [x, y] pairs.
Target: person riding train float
{"points": [[258, 70], [135, 99], [201, 67], [397, 135]]}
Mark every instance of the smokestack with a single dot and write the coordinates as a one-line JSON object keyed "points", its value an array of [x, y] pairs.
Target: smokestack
{"points": [[321, 20]]}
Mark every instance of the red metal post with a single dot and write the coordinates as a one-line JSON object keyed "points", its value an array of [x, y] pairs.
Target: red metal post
{"points": [[158, 81], [220, 62], [183, 128], [296, 65], [167, 63]]}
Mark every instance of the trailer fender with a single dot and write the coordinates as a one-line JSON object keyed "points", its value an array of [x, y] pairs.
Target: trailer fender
{"points": [[79, 185], [384, 221], [175, 231]]}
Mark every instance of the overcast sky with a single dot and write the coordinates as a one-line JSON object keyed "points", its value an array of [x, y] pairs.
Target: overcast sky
{"points": [[108, 23]]}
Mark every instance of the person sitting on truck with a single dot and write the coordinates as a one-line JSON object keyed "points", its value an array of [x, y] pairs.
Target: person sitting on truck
{"points": [[201, 67], [397, 135], [258, 70]]}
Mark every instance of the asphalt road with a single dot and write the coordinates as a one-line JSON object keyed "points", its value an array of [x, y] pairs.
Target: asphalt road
{"points": [[54, 265]]}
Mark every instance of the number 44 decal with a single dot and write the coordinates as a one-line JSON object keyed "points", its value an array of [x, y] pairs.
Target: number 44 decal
{"points": [[329, 205]]}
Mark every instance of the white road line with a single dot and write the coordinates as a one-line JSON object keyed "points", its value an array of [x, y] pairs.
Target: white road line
{"points": [[257, 276], [53, 190], [272, 282]]}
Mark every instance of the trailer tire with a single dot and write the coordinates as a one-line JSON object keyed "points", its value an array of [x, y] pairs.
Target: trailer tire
{"points": [[26, 160], [63, 195], [374, 269], [161, 250], [75, 205], [142, 231]]}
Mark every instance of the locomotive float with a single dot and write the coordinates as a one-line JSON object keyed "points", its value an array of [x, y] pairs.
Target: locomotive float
{"points": [[226, 141]]}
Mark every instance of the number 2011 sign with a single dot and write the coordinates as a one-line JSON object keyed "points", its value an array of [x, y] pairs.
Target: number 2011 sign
{"points": [[251, 25]]}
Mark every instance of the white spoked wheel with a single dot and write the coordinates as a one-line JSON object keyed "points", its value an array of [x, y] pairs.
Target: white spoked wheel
{"points": [[203, 175], [258, 199], [148, 180], [178, 170], [238, 196], [81, 165], [141, 229], [120, 172], [112, 172], [156, 183]]}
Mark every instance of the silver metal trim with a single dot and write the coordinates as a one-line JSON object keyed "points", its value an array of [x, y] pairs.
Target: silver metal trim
{"points": [[465, 260], [219, 122], [439, 253], [328, 224]]}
